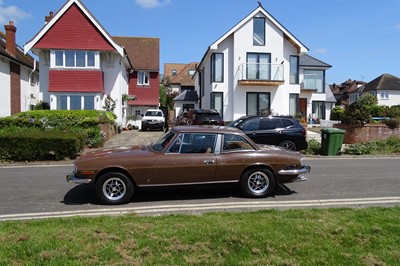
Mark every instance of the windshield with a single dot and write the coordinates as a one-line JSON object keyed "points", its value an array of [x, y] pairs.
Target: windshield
{"points": [[153, 113], [161, 143], [235, 123]]}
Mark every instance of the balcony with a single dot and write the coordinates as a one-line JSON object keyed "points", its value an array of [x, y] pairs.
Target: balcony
{"points": [[253, 74]]}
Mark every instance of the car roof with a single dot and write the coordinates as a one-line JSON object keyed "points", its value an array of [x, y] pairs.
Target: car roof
{"points": [[205, 129], [267, 116], [206, 111]]}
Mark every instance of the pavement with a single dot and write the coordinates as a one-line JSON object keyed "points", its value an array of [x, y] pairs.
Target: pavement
{"points": [[313, 135]]}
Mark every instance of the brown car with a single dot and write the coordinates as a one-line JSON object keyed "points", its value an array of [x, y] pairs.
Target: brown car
{"points": [[189, 155]]}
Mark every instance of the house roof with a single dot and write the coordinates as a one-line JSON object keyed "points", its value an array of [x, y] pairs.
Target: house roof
{"points": [[20, 57], [306, 60], [144, 53], [29, 45], [182, 76], [187, 96], [383, 82], [289, 36]]}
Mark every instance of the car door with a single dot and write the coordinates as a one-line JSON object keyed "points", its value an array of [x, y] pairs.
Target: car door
{"points": [[189, 160], [269, 131], [250, 127]]}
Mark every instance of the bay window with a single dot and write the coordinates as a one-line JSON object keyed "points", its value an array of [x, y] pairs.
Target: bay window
{"points": [[74, 59]]}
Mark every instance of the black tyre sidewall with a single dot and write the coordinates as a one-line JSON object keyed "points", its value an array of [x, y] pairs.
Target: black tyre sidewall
{"points": [[244, 183], [128, 184]]}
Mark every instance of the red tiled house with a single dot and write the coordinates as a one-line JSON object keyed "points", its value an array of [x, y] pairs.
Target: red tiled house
{"points": [[18, 75], [82, 65]]}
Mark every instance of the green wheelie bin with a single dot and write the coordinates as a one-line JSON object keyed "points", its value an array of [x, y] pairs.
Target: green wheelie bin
{"points": [[331, 141]]}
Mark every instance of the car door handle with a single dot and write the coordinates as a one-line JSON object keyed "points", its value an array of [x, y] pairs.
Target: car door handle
{"points": [[209, 161]]}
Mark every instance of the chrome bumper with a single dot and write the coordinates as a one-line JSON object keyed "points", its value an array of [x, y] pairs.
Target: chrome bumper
{"points": [[299, 172], [71, 178]]}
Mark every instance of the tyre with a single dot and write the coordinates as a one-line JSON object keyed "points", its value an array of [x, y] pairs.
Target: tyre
{"points": [[114, 188], [258, 182], [287, 144]]}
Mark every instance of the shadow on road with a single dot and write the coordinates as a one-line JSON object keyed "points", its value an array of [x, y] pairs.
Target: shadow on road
{"points": [[83, 194]]}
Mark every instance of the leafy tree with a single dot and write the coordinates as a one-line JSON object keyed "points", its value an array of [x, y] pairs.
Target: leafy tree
{"points": [[42, 106]]}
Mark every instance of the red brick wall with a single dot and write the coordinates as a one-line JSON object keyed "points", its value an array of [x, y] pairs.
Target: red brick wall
{"points": [[15, 84], [368, 132]]}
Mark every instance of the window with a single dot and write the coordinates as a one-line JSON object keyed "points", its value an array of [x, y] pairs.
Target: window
{"points": [[384, 95], [318, 111], [294, 104], [235, 143], [194, 143], [217, 102], [74, 59], [294, 69], [257, 103], [173, 72], [75, 102], [314, 80], [258, 66], [217, 67], [258, 31], [143, 78], [270, 123]]}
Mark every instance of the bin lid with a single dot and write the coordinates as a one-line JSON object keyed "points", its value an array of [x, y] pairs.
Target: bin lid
{"points": [[332, 130]]}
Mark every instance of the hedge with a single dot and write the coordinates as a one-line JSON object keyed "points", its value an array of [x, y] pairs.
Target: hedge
{"points": [[39, 145]]}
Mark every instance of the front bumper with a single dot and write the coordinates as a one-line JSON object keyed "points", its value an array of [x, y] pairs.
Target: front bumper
{"points": [[71, 178], [299, 174]]}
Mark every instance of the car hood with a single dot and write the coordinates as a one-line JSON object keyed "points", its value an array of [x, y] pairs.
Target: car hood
{"points": [[138, 150], [276, 149]]}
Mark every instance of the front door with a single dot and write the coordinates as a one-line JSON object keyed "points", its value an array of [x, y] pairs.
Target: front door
{"points": [[303, 106]]}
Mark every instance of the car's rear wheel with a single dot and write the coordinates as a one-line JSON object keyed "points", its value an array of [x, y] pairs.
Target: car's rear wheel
{"points": [[258, 182], [114, 188], [287, 144]]}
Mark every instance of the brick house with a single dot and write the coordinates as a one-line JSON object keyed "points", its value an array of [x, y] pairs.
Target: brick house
{"points": [[83, 66], [19, 75]]}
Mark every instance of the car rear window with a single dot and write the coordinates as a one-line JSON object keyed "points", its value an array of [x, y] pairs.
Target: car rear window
{"points": [[287, 123], [212, 116]]}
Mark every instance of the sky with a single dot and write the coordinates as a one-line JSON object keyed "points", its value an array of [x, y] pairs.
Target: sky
{"points": [[360, 39]]}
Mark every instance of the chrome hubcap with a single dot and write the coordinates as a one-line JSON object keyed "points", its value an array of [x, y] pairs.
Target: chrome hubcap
{"points": [[258, 182], [114, 188]]}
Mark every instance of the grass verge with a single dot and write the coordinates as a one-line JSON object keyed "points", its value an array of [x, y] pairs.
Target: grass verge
{"points": [[368, 236]]}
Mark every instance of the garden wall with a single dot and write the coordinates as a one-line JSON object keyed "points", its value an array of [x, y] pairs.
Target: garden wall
{"points": [[110, 130], [368, 132]]}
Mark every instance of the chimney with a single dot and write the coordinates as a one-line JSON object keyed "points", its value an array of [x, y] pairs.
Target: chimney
{"points": [[49, 17], [10, 38]]}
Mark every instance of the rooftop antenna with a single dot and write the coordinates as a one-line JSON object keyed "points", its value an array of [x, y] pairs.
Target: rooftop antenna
{"points": [[259, 3]]}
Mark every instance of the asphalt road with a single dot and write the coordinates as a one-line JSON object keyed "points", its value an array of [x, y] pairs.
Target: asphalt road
{"points": [[39, 191]]}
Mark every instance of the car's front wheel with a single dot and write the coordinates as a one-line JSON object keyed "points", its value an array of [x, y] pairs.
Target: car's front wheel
{"points": [[114, 188], [258, 182], [287, 144]]}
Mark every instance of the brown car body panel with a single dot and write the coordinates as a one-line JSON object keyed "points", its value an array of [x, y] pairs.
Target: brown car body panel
{"points": [[149, 167]]}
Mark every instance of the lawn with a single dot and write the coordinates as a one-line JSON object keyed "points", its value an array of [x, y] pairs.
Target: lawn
{"points": [[365, 236]]}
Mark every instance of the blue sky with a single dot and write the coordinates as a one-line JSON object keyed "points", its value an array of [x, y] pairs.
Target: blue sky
{"points": [[359, 38]]}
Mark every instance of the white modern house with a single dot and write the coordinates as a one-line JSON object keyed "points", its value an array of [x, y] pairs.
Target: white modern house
{"points": [[258, 66]]}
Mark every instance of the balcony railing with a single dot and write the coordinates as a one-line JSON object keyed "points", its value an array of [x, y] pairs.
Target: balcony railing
{"points": [[254, 74], [311, 83]]}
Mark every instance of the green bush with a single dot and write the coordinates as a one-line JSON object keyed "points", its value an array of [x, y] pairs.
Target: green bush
{"points": [[38, 145], [392, 123], [377, 147], [337, 113], [314, 147]]}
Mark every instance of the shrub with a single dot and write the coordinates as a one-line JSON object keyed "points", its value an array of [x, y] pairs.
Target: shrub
{"points": [[314, 147], [356, 114], [337, 113], [391, 123], [38, 145], [42, 106], [388, 146]]}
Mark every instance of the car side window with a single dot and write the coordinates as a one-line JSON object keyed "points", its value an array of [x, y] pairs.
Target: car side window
{"points": [[250, 124], [235, 143], [194, 143], [270, 123], [287, 123]]}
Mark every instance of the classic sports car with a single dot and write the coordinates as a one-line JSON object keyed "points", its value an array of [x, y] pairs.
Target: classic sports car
{"points": [[189, 155]]}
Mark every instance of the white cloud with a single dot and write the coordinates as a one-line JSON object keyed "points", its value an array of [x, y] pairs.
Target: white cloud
{"points": [[13, 13], [151, 3], [321, 51]]}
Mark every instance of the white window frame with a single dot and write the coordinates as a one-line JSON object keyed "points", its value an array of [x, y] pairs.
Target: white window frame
{"points": [[82, 100], [53, 57], [143, 78], [384, 95]]}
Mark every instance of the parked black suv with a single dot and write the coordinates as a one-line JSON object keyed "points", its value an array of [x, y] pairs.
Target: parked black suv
{"points": [[201, 117], [273, 130]]}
